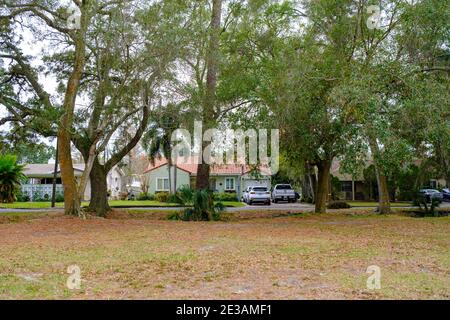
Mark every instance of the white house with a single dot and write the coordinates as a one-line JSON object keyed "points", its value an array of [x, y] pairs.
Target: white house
{"points": [[40, 181], [223, 178]]}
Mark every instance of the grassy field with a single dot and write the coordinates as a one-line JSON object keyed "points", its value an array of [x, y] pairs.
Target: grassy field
{"points": [[113, 203], [375, 204], [303, 256]]}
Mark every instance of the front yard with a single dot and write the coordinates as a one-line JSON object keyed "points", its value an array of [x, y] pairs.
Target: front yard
{"points": [[112, 203], [291, 257]]}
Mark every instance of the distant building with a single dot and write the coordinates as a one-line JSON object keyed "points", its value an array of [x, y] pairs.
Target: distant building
{"points": [[39, 182], [223, 178]]}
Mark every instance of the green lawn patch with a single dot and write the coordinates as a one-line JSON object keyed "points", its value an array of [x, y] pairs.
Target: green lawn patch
{"points": [[112, 203], [375, 204]]}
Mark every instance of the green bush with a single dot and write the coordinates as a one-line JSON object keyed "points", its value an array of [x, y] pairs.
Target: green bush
{"points": [[185, 194], [59, 197], [145, 196], [23, 197], [174, 198], [37, 197], [162, 196], [203, 208], [174, 216], [11, 173], [225, 196], [338, 205]]}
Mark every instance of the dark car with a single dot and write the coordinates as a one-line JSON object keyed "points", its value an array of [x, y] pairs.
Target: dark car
{"points": [[430, 194], [446, 194]]}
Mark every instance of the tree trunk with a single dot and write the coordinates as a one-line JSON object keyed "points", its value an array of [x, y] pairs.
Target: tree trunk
{"points": [[313, 182], [309, 184], [212, 64], [175, 177], [72, 203], [87, 171], [323, 167], [169, 168], [99, 190], [202, 180], [55, 173], [384, 206]]}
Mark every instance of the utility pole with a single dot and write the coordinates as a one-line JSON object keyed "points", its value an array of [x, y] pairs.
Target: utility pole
{"points": [[55, 171]]}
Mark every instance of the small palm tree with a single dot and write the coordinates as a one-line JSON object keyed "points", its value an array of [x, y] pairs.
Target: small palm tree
{"points": [[157, 139], [11, 173], [203, 207]]}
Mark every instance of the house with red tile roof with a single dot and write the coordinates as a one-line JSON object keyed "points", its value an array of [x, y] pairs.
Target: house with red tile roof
{"points": [[223, 177]]}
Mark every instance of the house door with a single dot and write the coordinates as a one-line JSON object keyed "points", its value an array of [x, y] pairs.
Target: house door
{"points": [[212, 184]]}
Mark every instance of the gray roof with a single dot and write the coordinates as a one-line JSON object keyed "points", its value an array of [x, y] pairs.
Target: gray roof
{"points": [[46, 170]]}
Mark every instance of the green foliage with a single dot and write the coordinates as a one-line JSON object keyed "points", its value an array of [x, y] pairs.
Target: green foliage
{"points": [[145, 196], [225, 196], [203, 208], [156, 141], [174, 198], [338, 205], [162, 196], [22, 197], [26, 146], [335, 187], [11, 174], [59, 197], [39, 197], [185, 194], [427, 209]]}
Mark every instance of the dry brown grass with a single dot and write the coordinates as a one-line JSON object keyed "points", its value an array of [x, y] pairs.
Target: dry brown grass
{"points": [[253, 256]]}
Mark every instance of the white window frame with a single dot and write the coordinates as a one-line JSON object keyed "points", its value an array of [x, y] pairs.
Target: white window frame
{"points": [[234, 184], [163, 189]]}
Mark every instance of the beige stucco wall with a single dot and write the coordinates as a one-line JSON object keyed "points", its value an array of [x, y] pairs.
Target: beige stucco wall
{"points": [[115, 183], [163, 172], [220, 183]]}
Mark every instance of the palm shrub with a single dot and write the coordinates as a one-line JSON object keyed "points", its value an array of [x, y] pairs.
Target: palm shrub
{"points": [[203, 207], [185, 194], [427, 210], [11, 173]]}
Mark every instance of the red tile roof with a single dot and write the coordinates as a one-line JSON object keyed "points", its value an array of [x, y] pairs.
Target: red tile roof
{"points": [[224, 169]]}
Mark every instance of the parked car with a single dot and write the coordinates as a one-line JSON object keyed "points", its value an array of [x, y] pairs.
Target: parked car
{"points": [[245, 194], [430, 194], [446, 194], [258, 194], [283, 192]]}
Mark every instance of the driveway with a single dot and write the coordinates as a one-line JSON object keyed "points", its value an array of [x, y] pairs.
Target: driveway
{"points": [[273, 206]]}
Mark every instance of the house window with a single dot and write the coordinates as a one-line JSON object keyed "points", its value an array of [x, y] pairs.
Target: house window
{"points": [[229, 184], [162, 184], [346, 186]]}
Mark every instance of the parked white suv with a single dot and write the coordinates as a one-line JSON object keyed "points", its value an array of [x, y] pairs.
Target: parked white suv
{"points": [[283, 192], [245, 194], [257, 194]]}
